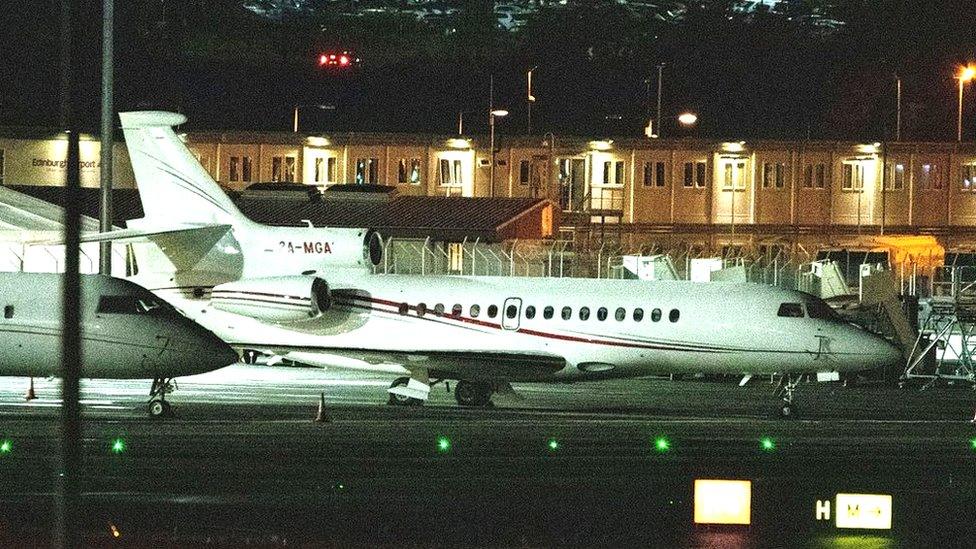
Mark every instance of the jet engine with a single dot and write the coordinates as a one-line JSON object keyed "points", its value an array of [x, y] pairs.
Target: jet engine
{"points": [[274, 299]]}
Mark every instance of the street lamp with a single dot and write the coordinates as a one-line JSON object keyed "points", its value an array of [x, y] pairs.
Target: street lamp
{"points": [[491, 127], [685, 119], [297, 107], [965, 75], [529, 98]]}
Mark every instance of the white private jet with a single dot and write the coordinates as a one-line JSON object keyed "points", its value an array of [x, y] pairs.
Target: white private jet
{"points": [[126, 333], [273, 289]]}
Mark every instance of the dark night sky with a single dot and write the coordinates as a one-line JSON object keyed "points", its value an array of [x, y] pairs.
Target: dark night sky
{"points": [[761, 75]]}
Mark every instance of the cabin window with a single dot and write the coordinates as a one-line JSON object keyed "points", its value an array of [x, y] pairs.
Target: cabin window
{"points": [[673, 315], [621, 314], [567, 313], [656, 315], [439, 309], [547, 312], [792, 310], [492, 311], [530, 312], [8, 311], [475, 311], [638, 314], [404, 308], [457, 310], [511, 311], [584, 313], [601, 314], [421, 309]]}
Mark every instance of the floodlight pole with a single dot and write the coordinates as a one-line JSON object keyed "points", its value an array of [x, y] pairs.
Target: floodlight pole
{"points": [[108, 117]]}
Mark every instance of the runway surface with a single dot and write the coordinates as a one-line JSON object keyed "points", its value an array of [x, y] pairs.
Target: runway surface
{"points": [[242, 463]]}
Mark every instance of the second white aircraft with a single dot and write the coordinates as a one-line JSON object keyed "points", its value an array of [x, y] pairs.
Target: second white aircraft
{"points": [[306, 294]]}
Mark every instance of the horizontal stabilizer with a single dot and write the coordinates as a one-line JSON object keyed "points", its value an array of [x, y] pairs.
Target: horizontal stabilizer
{"points": [[143, 235]]}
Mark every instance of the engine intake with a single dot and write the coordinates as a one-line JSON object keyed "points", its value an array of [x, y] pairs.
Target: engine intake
{"points": [[274, 299]]}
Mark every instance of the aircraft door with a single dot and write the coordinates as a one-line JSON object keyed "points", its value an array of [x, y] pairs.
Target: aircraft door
{"points": [[511, 313]]}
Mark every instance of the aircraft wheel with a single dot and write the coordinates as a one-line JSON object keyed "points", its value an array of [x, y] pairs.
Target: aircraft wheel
{"points": [[472, 393], [400, 400], [786, 411], [158, 408], [249, 356]]}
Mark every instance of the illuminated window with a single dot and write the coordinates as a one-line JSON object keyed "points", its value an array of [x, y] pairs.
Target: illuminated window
{"points": [[620, 314], [475, 311], [613, 173], [674, 315], [492, 311], [450, 173], [931, 177], [233, 174], [601, 314], [283, 168], [969, 177], [548, 312], [567, 313], [638, 314], [367, 171], [584, 313], [530, 312], [408, 171], [455, 257], [853, 177], [656, 315], [733, 175]]}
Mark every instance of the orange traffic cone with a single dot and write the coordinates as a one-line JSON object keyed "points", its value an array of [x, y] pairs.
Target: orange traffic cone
{"points": [[30, 391], [320, 417]]}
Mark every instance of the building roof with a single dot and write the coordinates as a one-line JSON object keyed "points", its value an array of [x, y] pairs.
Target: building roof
{"points": [[441, 218]]}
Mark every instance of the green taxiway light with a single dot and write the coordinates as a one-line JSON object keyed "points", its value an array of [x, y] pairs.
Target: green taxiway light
{"points": [[118, 446], [6, 446], [662, 444], [443, 444], [972, 444], [553, 444], [767, 444]]}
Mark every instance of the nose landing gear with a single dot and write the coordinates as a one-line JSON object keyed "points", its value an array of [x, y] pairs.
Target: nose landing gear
{"points": [[158, 407], [787, 389]]}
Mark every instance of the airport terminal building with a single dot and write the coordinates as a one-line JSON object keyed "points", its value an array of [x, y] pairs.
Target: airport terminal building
{"points": [[697, 197]]}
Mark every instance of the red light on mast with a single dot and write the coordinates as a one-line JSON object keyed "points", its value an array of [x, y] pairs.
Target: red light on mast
{"points": [[344, 60]]}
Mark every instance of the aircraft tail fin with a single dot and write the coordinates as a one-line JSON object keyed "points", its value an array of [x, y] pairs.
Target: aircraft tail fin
{"points": [[173, 185]]}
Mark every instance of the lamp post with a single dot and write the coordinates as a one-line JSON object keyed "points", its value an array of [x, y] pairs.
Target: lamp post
{"points": [[529, 98], [897, 108], [660, 76], [294, 125], [491, 132], [685, 119], [965, 75]]}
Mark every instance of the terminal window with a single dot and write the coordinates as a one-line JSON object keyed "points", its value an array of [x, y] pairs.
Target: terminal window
{"points": [[524, 169], [695, 175], [654, 174], [853, 178], [815, 176], [283, 168], [894, 177], [969, 177], [367, 170], [774, 175], [450, 173], [931, 177], [408, 171], [613, 173]]}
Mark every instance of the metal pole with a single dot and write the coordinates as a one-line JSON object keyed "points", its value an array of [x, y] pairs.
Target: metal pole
{"points": [[108, 116], [491, 169], [660, 76], [69, 467], [460, 122], [898, 110], [959, 117]]}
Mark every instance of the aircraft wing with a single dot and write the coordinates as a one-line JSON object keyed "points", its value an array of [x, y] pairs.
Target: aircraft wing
{"points": [[512, 366]]}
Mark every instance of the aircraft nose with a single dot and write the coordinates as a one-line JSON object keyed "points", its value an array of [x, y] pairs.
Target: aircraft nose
{"points": [[881, 351]]}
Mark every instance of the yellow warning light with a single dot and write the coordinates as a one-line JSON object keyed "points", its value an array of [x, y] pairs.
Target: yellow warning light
{"points": [[723, 501], [865, 511]]}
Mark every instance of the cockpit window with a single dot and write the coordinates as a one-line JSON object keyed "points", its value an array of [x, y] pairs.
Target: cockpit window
{"points": [[127, 305], [793, 310], [817, 308]]}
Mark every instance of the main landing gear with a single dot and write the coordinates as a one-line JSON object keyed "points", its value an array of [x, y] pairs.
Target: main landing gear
{"points": [[787, 389], [473, 393], [158, 407]]}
